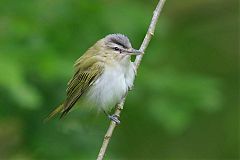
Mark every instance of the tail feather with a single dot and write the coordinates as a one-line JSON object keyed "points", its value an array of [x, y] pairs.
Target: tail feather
{"points": [[68, 105], [54, 112]]}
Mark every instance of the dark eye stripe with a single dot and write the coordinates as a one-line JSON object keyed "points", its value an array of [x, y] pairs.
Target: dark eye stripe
{"points": [[116, 49]]}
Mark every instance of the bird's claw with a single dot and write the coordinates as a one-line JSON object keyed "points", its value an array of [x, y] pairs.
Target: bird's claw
{"points": [[114, 118]]}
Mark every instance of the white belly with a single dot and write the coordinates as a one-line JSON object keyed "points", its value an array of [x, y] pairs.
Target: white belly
{"points": [[111, 86]]}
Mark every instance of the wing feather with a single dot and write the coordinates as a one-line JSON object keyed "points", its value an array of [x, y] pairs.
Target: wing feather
{"points": [[83, 78]]}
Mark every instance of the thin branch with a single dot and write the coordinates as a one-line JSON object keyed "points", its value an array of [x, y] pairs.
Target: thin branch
{"points": [[137, 62]]}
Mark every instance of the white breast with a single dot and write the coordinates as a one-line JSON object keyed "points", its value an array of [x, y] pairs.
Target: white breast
{"points": [[112, 85]]}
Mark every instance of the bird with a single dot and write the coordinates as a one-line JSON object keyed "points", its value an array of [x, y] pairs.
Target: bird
{"points": [[102, 76]]}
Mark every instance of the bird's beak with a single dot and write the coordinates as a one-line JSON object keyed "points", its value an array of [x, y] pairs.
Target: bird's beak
{"points": [[134, 52]]}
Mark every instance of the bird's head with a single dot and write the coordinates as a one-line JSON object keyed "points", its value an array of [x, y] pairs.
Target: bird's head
{"points": [[118, 45]]}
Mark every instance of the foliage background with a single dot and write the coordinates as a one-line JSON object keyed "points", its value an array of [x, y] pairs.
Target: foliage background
{"points": [[185, 104]]}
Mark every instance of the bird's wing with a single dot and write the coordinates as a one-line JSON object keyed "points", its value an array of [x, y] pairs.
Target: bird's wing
{"points": [[85, 75]]}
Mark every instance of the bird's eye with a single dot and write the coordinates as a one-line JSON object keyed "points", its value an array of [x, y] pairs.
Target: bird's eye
{"points": [[116, 49]]}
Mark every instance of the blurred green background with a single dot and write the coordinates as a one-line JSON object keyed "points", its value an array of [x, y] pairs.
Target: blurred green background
{"points": [[185, 104]]}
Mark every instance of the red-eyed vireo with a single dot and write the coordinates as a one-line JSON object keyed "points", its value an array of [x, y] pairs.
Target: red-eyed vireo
{"points": [[103, 75]]}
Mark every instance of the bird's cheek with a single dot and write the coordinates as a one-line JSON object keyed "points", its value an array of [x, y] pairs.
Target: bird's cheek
{"points": [[124, 56]]}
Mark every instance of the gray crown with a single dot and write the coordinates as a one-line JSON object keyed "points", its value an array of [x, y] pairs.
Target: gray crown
{"points": [[119, 39]]}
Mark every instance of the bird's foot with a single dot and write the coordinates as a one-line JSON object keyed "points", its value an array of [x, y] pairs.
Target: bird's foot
{"points": [[114, 118]]}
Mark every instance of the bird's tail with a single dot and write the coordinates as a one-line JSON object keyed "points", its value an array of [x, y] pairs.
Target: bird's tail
{"points": [[54, 112]]}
